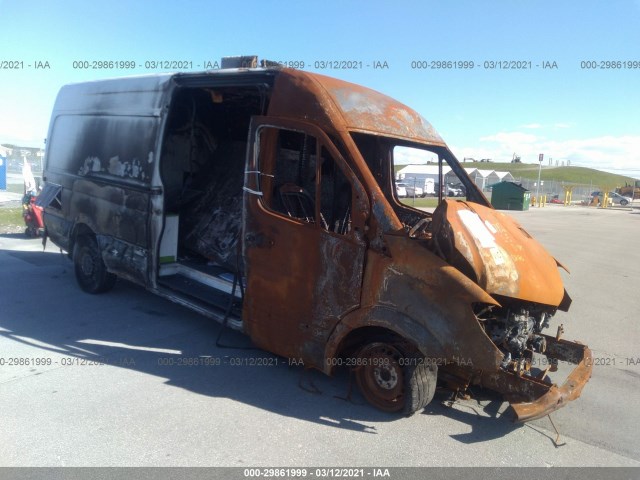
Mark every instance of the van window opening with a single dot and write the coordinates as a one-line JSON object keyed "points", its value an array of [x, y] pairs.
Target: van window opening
{"points": [[303, 175], [403, 170]]}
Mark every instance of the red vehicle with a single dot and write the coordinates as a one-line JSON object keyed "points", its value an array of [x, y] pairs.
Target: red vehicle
{"points": [[32, 214]]}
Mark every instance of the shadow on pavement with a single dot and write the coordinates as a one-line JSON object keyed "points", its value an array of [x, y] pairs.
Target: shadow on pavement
{"points": [[134, 329], [482, 413]]}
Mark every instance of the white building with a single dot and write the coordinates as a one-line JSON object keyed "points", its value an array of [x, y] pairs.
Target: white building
{"points": [[481, 177], [422, 174], [505, 176], [485, 178]]}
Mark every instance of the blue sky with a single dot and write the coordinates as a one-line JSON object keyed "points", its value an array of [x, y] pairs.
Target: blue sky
{"points": [[590, 117]]}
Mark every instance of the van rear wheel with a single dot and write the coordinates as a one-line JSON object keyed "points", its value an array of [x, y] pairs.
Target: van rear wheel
{"points": [[91, 273], [393, 381]]}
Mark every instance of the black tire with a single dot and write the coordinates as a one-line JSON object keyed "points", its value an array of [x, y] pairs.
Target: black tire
{"points": [[393, 381], [421, 380], [624, 203], [91, 273]]}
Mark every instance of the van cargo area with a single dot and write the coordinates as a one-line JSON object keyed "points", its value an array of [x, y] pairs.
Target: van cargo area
{"points": [[202, 169]]}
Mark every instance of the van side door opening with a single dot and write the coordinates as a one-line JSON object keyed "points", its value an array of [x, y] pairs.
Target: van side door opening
{"points": [[202, 171]]}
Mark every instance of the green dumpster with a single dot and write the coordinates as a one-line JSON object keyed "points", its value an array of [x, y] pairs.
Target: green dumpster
{"points": [[510, 196]]}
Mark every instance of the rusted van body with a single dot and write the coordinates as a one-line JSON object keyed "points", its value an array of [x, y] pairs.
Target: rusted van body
{"points": [[265, 198]]}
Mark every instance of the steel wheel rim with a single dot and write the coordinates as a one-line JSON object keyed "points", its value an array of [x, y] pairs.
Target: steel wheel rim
{"points": [[380, 377], [87, 265]]}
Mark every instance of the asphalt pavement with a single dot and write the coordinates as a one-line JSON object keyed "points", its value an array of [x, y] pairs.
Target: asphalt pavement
{"points": [[130, 379]]}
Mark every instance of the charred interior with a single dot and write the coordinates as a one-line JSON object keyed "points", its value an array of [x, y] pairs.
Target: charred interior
{"points": [[377, 153], [300, 173], [202, 168]]}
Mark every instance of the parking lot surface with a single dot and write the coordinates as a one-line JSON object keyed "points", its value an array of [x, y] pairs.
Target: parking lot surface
{"points": [[119, 379]]}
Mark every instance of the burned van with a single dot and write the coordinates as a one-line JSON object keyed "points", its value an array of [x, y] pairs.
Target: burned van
{"points": [[265, 198]]}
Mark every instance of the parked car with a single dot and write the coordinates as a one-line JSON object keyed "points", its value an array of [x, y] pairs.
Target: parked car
{"points": [[451, 190], [412, 191], [401, 191], [616, 198], [459, 189]]}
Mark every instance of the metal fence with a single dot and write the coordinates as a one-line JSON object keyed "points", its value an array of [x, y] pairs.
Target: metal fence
{"points": [[554, 187]]}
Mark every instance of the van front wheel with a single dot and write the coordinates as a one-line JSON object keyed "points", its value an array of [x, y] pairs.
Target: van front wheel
{"points": [[393, 381], [91, 273]]}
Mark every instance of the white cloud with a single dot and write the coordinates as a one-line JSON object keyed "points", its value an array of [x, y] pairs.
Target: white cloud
{"points": [[22, 130], [511, 142], [408, 155], [618, 154]]}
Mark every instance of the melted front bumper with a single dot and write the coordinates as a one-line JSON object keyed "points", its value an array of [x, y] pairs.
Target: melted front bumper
{"points": [[531, 397], [558, 396]]}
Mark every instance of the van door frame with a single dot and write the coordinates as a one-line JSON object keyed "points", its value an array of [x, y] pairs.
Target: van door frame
{"points": [[301, 278]]}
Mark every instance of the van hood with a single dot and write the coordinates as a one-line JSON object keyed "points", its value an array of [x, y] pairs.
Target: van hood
{"points": [[494, 251]]}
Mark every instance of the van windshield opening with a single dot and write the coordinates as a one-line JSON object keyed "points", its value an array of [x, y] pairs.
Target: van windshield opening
{"points": [[409, 172]]}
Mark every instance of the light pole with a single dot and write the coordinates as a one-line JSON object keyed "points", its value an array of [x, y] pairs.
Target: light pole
{"points": [[540, 157], [414, 191]]}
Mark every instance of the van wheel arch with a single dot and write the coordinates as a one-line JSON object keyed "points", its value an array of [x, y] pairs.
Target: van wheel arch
{"points": [[390, 371], [79, 230]]}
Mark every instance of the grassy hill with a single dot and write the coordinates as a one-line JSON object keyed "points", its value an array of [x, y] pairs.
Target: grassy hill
{"points": [[579, 175]]}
